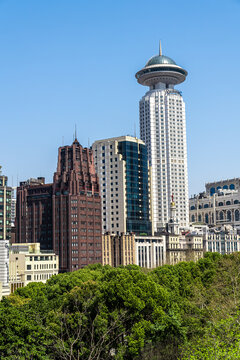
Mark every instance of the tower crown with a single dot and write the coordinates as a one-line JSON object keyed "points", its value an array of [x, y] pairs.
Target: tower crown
{"points": [[160, 59], [161, 69]]}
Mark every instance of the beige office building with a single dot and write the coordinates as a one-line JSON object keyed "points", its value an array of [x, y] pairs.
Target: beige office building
{"points": [[28, 264]]}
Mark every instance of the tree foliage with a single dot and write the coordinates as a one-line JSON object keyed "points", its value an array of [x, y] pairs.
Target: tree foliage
{"points": [[186, 311]]}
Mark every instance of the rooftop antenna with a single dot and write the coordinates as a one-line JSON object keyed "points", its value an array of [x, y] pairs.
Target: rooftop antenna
{"points": [[160, 48], [75, 131]]}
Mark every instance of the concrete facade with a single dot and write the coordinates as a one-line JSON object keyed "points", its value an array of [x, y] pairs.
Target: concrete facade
{"points": [[218, 205], [163, 129], [27, 263]]}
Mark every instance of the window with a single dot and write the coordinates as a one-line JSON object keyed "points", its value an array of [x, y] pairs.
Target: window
{"points": [[29, 267], [29, 277]]}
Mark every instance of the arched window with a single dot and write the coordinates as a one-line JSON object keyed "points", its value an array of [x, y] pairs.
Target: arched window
{"points": [[219, 188], [206, 206], [236, 201], [221, 215], [199, 218], [220, 204], [236, 215], [200, 206], [212, 218], [232, 187], [206, 218], [193, 218], [212, 191], [225, 187], [229, 215], [192, 208], [228, 203]]}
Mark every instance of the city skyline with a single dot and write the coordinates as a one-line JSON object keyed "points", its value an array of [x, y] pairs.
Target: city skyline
{"points": [[60, 62]]}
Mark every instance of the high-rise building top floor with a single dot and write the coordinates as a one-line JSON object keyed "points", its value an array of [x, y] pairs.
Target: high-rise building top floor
{"points": [[161, 69]]}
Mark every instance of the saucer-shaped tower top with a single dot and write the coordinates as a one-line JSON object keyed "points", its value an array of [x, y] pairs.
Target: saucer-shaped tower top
{"points": [[161, 69]]}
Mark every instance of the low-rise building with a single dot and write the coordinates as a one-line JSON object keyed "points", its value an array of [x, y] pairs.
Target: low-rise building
{"points": [[224, 240], [150, 251], [118, 249], [126, 249], [28, 264], [218, 205]]}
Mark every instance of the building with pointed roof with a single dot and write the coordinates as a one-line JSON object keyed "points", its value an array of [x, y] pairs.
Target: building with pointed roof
{"points": [[163, 129]]}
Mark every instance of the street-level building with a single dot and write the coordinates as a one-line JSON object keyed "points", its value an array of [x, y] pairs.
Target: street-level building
{"points": [[181, 245], [163, 129], [128, 249], [122, 166], [27, 263], [118, 249], [150, 251]]}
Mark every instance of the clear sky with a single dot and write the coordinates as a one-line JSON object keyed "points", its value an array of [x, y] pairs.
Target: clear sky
{"points": [[71, 61]]}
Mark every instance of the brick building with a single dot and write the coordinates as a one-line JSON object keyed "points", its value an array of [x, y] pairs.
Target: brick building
{"points": [[66, 215]]}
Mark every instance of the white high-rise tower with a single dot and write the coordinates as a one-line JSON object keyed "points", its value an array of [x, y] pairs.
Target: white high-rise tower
{"points": [[163, 129]]}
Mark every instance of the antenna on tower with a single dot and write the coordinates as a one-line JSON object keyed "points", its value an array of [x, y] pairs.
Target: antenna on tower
{"points": [[75, 131], [160, 48]]}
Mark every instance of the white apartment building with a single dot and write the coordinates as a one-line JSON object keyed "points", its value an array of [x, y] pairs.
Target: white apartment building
{"points": [[122, 167], [163, 129], [28, 264]]}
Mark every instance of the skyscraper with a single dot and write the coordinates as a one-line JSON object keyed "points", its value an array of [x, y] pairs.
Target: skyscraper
{"points": [[122, 167], [163, 129], [5, 208], [77, 233], [65, 215]]}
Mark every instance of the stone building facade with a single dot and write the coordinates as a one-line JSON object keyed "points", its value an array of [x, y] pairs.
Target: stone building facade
{"points": [[218, 205]]}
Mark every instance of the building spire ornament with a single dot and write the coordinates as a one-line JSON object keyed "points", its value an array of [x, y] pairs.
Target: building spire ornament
{"points": [[160, 48]]}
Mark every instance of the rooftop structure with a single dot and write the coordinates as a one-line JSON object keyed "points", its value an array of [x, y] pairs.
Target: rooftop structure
{"points": [[161, 69]]}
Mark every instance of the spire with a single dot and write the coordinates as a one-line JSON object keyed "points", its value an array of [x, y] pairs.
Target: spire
{"points": [[75, 132], [160, 48]]}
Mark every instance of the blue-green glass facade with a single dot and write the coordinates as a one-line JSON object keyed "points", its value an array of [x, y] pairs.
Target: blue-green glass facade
{"points": [[137, 197]]}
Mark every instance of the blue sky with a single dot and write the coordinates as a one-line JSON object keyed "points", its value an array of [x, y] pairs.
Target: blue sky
{"points": [[70, 61]]}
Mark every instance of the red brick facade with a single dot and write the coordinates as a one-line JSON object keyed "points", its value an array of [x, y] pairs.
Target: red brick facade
{"points": [[73, 206]]}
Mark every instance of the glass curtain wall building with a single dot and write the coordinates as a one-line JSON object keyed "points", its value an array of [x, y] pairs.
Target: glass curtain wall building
{"points": [[122, 167], [136, 177]]}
